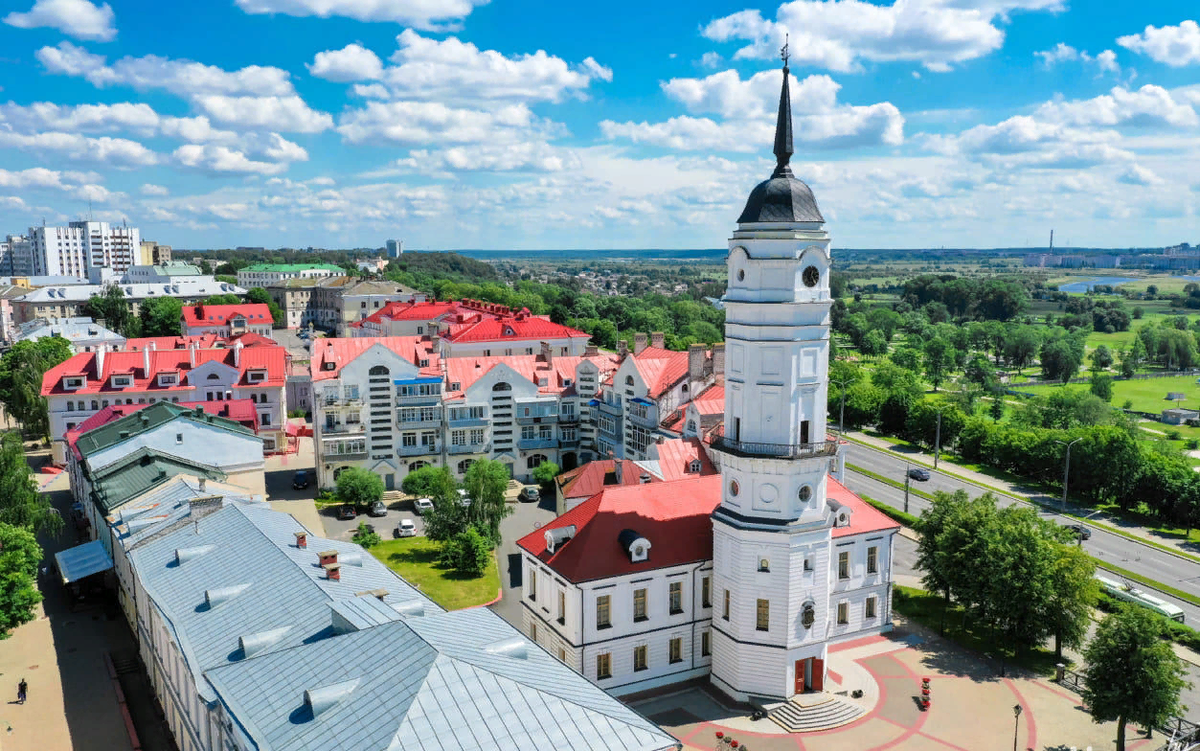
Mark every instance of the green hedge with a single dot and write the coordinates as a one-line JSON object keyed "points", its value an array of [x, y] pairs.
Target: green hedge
{"points": [[908, 520], [1180, 633]]}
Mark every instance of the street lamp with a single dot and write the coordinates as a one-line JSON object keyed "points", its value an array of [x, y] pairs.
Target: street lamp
{"points": [[841, 383], [1016, 723], [1067, 470]]}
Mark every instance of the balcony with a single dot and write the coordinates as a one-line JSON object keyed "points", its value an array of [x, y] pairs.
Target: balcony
{"points": [[419, 450], [424, 399], [612, 408], [342, 428], [416, 424], [526, 444], [774, 450], [469, 422], [567, 419], [471, 448], [332, 453], [568, 443], [649, 421]]}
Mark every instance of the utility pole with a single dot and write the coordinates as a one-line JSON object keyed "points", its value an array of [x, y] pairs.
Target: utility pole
{"points": [[937, 442], [841, 384], [1067, 471], [907, 483]]}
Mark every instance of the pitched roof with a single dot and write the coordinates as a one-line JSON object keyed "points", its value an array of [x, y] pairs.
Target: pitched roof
{"points": [[675, 458], [271, 359], [864, 518], [660, 369], [203, 341], [673, 516], [711, 401], [465, 371], [103, 429], [342, 352], [521, 326], [463, 680], [429, 310], [293, 267], [138, 472], [217, 315]]}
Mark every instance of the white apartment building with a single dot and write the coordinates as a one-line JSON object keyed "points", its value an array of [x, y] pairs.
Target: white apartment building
{"points": [[266, 274], [80, 246]]}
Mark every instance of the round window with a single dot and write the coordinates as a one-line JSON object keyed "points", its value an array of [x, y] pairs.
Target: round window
{"points": [[733, 487], [808, 615], [741, 275], [811, 276], [805, 493]]}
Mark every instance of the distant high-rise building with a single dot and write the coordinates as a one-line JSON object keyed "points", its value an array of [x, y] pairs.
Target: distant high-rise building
{"points": [[16, 256], [153, 254], [395, 248], [72, 250]]}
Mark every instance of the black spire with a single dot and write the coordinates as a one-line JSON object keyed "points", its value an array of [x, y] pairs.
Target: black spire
{"points": [[783, 125]]}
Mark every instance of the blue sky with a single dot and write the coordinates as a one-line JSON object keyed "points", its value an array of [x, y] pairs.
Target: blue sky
{"points": [[520, 124]]}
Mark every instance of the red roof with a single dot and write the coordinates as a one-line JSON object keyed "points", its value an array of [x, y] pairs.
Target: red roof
{"points": [[660, 369], [711, 401], [673, 516], [271, 359], [465, 371], [675, 459], [219, 315], [204, 341], [341, 352], [521, 326], [243, 411], [411, 311]]}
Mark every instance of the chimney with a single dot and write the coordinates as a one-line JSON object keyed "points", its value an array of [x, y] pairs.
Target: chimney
{"points": [[326, 557], [696, 361], [622, 348], [656, 340], [301, 540], [146, 362], [333, 571], [435, 342], [591, 350], [100, 361], [547, 353], [203, 482], [201, 507], [639, 343], [618, 469], [719, 360], [237, 354], [192, 353]]}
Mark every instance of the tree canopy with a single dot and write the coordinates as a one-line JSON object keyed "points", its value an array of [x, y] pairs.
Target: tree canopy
{"points": [[359, 487], [21, 371], [19, 558], [160, 316], [485, 483]]}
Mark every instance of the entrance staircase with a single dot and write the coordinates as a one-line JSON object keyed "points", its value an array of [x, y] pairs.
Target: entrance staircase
{"points": [[806, 713]]}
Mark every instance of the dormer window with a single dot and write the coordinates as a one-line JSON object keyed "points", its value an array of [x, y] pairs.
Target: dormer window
{"points": [[256, 376], [73, 383], [423, 363], [167, 379], [213, 377], [637, 546], [122, 381], [694, 467], [328, 365]]}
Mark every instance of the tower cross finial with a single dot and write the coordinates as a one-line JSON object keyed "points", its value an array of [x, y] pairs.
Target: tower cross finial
{"points": [[783, 123], [783, 52]]}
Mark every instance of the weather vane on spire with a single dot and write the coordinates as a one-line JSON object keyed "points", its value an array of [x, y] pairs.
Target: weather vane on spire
{"points": [[783, 52]]}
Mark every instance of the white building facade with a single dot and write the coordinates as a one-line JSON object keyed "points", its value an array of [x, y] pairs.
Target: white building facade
{"points": [[80, 246]]}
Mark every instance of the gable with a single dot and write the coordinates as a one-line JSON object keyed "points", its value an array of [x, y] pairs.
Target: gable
{"points": [[357, 370], [481, 390]]}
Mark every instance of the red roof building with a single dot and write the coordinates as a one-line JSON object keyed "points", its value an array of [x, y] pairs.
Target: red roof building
{"points": [[226, 320], [243, 411], [329, 356]]}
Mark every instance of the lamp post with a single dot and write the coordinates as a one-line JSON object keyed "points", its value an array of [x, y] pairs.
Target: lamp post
{"points": [[937, 441], [841, 383], [1016, 723], [907, 482], [1067, 470]]}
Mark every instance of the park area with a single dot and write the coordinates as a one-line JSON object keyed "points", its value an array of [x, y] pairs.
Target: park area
{"points": [[416, 560], [1145, 394]]}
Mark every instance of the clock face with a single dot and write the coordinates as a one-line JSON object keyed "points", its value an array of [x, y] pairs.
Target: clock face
{"points": [[811, 276]]}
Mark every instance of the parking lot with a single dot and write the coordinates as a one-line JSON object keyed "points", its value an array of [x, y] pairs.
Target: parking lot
{"points": [[384, 525]]}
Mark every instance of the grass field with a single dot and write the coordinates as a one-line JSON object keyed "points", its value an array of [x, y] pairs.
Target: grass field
{"points": [[415, 560], [1147, 394]]}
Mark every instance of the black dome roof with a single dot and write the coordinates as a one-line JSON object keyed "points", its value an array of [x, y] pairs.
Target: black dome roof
{"points": [[782, 198]]}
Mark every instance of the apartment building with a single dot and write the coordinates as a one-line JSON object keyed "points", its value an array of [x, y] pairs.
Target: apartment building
{"points": [[226, 320], [16, 256], [81, 246], [88, 382], [266, 274], [84, 334], [332, 303], [67, 300], [152, 253]]}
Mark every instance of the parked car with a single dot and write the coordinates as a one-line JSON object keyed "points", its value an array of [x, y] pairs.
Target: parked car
{"points": [[377, 508], [1081, 532], [529, 493], [463, 498], [918, 474], [421, 505], [406, 528], [301, 479], [346, 512]]}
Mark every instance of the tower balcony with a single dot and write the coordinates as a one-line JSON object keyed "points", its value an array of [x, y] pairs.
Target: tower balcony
{"points": [[774, 450]]}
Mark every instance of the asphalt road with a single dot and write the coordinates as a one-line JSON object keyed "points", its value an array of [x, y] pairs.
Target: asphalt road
{"points": [[1155, 564]]}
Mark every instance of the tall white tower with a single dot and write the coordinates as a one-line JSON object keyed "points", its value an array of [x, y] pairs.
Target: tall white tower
{"points": [[771, 533]]}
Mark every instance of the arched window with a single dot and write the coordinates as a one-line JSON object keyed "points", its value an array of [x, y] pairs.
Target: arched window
{"points": [[254, 398], [378, 370], [694, 466], [214, 377], [628, 380], [683, 388], [464, 465], [534, 461], [95, 404], [502, 386], [417, 465]]}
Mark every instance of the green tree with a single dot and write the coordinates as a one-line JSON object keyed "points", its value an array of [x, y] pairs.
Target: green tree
{"points": [[1102, 358], [1020, 346], [365, 536], [430, 482], [1128, 365], [112, 308], [261, 296], [979, 371], [939, 356], [997, 408], [1102, 387], [1074, 591], [908, 358], [873, 343], [359, 487], [160, 316], [1132, 674], [1059, 361], [229, 299], [485, 482], [20, 502], [21, 371], [468, 553], [545, 473], [19, 559]]}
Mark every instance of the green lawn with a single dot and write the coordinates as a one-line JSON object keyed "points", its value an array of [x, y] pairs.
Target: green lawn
{"points": [[415, 559], [1147, 394]]}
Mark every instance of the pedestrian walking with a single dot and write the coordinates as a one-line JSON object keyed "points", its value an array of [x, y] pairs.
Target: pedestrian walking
{"points": [[22, 691]]}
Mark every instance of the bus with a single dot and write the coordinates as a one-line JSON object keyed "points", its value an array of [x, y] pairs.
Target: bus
{"points": [[1129, 593]]}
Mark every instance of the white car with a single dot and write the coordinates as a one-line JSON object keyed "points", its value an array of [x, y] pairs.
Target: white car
{"points": [[422, 505], [463, 498], [406, 528]]}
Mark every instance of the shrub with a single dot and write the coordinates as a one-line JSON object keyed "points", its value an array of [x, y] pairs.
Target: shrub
{"points": [[365, 536], [1173, 435], [1193, 444]]}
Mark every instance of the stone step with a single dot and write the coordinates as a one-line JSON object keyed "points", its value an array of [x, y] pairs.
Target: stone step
{"points": [[822, 715]]}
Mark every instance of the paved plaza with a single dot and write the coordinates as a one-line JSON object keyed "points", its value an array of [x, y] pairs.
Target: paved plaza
{"points": [[972, 708]]}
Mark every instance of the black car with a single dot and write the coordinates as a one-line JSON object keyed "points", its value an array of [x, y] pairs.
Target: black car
{"points": [[377, 508], [1081, 532], [921, 475], [300, 480], [346, 512]]}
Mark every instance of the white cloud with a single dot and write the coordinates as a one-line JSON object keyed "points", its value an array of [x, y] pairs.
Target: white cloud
{"points": [[839, 34], [1148, 106], [1060, 53], [221, 159], [533, 156], [1105, 62], [596, 70], [285, 113], [1136, 174], [711, 60], [36, 177], [114, 152], [422, 14], [83, 117], [351, 63], [149, 189], [77, 18], [1170, 45], [433, 122], [748, 108]]}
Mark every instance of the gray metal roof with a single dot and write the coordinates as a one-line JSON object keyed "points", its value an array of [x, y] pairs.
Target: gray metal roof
{"points": [[781, 199], [82, 560], [154, 511], [447, 682]]}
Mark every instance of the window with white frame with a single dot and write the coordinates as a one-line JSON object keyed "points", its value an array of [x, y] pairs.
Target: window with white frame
{"points": [[641, 658], [603, 666], [545, 433], [844, 565], [869, 610], [408, 440], [639, 438], [872, 560], [843, 613], [477, 437], [528, 432], [458, 438], [675, 650], [676, 596], [604, 611], [639, 604]]}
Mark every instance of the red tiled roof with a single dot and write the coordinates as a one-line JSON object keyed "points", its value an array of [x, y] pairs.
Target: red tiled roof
{"points": [[711, 401], [219, 315], [521, 326], [675, 458], [674, 517], [243, 411], [660, 369], [271, 359], [204, 341], [465, 371], [343, 351], [411, 311]]}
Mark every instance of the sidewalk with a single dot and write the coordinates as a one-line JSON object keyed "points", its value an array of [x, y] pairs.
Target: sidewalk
{"points": [[1027, 493]]}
